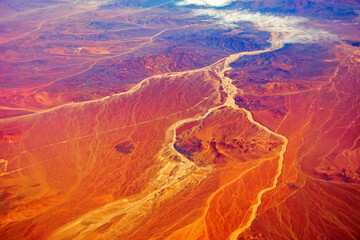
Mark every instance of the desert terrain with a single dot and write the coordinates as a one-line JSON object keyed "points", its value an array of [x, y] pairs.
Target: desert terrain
{"points": [[179, 119]]}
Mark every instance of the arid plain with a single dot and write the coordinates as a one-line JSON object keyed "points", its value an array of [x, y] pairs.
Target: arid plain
{"points": [[179, 119]]}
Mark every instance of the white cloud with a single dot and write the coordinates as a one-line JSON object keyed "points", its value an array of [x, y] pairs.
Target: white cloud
{"points": [[291, 29], [209, 3]]}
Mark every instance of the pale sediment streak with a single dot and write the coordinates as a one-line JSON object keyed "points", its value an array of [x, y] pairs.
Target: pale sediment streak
{"points": [[231, 90]]}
